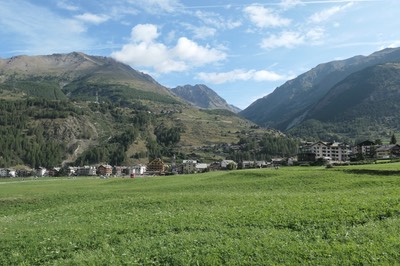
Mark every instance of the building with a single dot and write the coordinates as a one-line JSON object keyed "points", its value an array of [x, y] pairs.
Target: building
{"points": [[201, 167], [86, 171], [189, 166], [156, 166], [135, 170], [104, 170], [388, 151], [41, 171], [228, 164], [332, 151], [364, 149]]}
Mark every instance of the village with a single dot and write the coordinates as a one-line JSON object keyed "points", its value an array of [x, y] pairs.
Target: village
{"points": [[308, 154]]}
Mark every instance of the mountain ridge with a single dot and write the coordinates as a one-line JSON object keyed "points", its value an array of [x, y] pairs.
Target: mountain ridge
{"points": [[203, 97], [287, 104]]}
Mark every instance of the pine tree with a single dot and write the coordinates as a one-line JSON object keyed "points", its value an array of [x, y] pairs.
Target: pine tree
{"points": [[393, 139]]}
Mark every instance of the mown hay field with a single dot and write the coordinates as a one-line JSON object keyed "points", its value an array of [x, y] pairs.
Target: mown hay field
{"points": [[290, 216]]}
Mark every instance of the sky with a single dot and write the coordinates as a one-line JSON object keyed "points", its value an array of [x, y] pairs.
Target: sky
{"points": [[241, 49]]}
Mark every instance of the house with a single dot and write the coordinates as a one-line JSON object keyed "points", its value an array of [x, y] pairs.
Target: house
{"points": [[3, 172], [201, 167], [70, 171], [215, 166], [104, 170], [8, 172], [117, 170], [189, 166], [55, 171], [388, 151], [86, 171], [135, 170], [228, 164], [248, 164], [364, 149], [156, 166], [41, 171], [333, 151]]}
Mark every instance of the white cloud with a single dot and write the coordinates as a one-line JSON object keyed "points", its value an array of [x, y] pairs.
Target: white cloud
{"points": [[144, 33], [92, 18], [216, 20], [240, 75], [286, 4], [264, 17], [145, 51], [394, 44], [315, 35], [67, 6], [190, 51], [200, 32], [286, 39], [328, 13]]}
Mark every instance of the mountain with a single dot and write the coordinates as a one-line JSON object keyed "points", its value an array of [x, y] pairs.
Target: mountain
{"points": [[78, 76], [353, 99], [203, 97], [79, 109], [288, 105]]}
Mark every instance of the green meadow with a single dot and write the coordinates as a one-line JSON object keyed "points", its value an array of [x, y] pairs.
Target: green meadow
{"points": [[291, 216]]}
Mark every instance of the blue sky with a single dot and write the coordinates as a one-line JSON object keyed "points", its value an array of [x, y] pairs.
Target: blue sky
{"points": [[241, 49]]}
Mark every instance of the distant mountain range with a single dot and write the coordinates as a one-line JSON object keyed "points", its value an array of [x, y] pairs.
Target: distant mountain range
{"points": [[347, 99], [203, 97]]}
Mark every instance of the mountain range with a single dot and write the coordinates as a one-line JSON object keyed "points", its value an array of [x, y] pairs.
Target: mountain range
{"points": [[80, 109], [346, 99]]}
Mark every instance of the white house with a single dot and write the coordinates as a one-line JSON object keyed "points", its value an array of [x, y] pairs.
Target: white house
{"points": [[226, 163], [41, 171], [11, 172], [334, 151], [201, 167], [189, 166], [3, 172], [136, 170]]}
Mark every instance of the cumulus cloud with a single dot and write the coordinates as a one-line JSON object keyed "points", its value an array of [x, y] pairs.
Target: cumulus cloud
{"points": [[286, 39], [240, 75], [144, 33], [144, 51], [264, 17], [328, 13], [92, 18]]}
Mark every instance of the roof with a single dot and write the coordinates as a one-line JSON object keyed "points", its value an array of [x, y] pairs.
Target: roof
{"points": [[387, 147]]}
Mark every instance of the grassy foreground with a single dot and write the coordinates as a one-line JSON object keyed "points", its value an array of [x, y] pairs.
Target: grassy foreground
{"points": [[290, 216]]}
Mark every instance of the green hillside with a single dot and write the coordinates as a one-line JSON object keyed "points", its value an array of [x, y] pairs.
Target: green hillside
{"points": [[362, 106], [332, 100], [290, 216]]}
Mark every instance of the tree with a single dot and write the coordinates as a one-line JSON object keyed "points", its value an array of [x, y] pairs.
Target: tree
{"points": [[393, 139]]}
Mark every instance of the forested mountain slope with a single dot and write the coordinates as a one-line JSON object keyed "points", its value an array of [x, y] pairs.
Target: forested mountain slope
{"points": [[288, 104], [79, 109]]}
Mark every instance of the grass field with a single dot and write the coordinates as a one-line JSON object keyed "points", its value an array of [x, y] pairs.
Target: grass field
{"points": [[290, 216]]}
